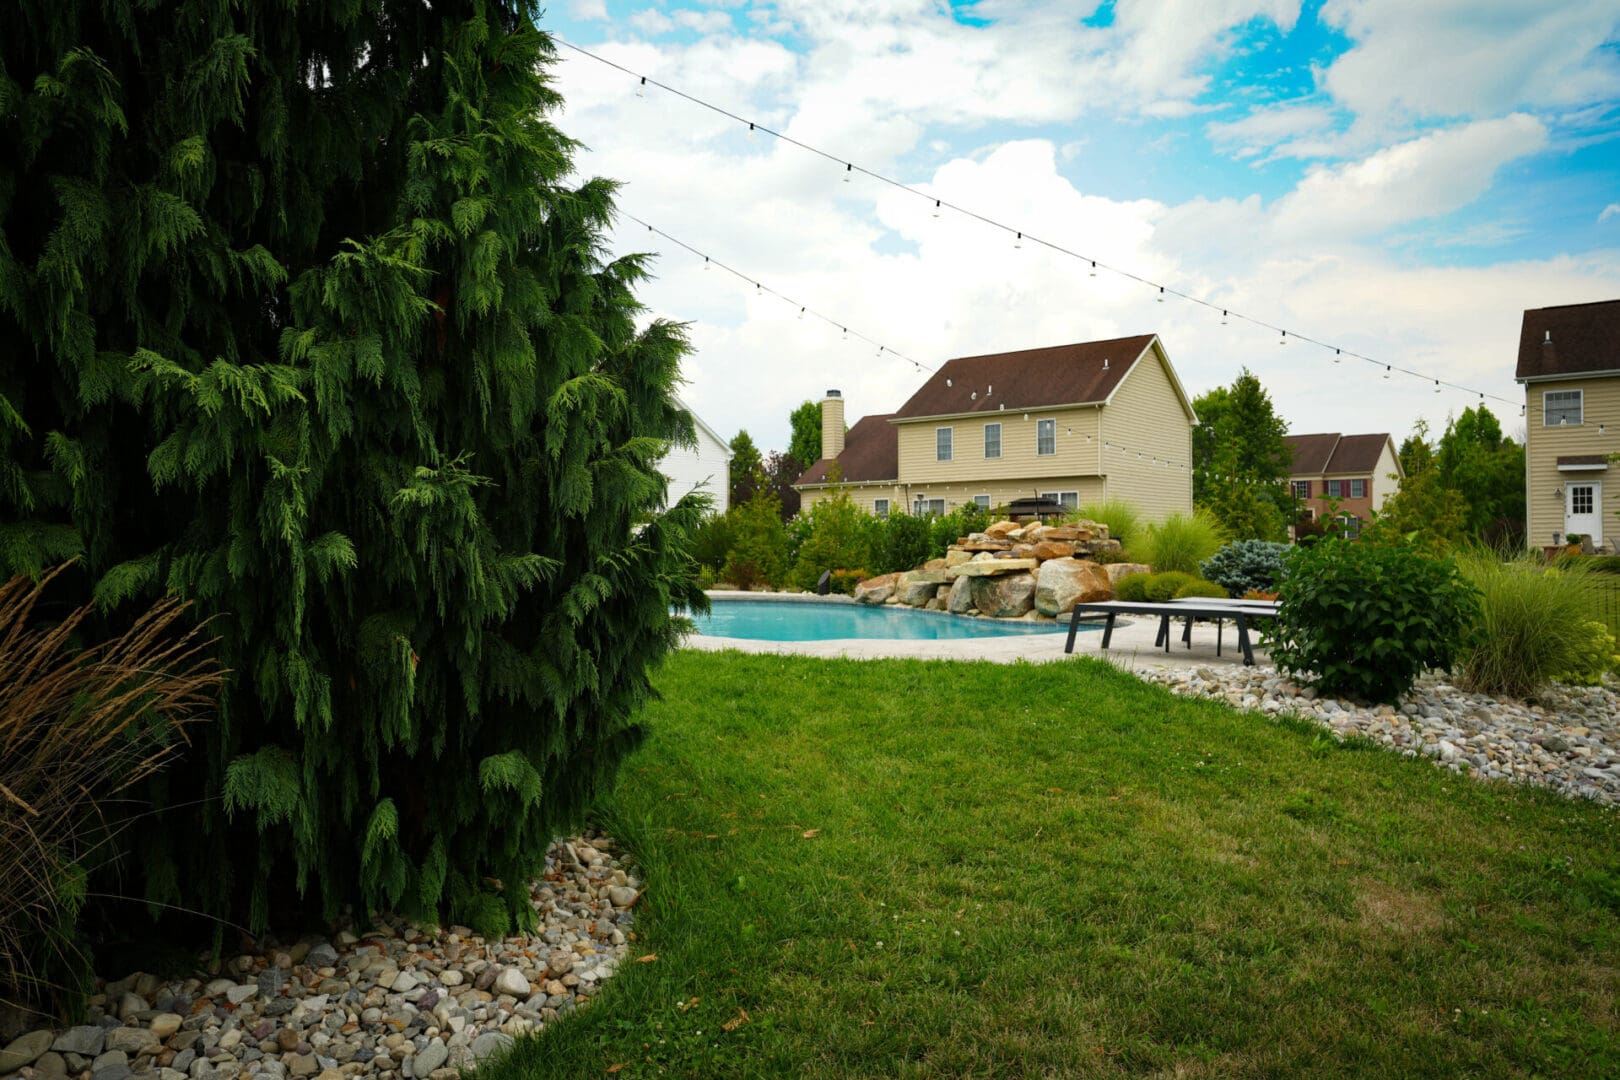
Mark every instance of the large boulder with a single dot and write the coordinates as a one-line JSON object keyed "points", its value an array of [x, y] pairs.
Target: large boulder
{"points": [[960, 600], [992, 567], [1052, 549], [1062, 583], [979, 542], [956, 557], [1117, 570], [1002, 529], [1004, 597], [916, 587], [876, 590]]}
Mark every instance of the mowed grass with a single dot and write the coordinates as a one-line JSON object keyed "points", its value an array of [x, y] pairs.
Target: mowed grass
{"points": [[908, 869]]}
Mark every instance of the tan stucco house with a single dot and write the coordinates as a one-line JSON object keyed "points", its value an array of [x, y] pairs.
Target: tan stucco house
{"points": [[1569, 363], [1356, 473], [1075, 423]]}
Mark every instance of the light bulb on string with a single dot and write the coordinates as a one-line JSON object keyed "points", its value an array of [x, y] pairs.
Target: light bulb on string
{"points": [[1386, 371], [1437, 386], [849, 170], [845, 335], [936, 209], [705, 263], [1337, 356], [801, 314], [1093, 267], [1284, 339], [1223, 317], [641, 88], [750, 129], [1160, 297], [1018, 240]]}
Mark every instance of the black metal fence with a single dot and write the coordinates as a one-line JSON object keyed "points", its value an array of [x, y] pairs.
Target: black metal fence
{"points": [[1606, 591]]}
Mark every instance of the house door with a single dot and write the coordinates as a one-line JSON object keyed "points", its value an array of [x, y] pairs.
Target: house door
{"points": [[1583, 509]]}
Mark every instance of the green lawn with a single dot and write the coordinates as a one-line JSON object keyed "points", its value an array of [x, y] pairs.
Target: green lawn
{"points": [[905, 869]]}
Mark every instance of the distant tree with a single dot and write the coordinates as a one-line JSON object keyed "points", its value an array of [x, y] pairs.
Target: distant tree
{"points": [[746, 468], [805, 446], [1416, 454], [781, 471], [1211, 409], [1423, 510], [759, 542], [1239, 444], [1484, 467]]}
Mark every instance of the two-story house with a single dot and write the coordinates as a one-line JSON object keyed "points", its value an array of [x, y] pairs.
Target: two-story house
{"points": [[1569, 363], [703, 466], [1073, 423], [1355, 473]]}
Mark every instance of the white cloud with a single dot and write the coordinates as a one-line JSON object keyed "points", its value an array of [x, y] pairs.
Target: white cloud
{"points": [[1609, 211], [588, 9], [1265, 128]]}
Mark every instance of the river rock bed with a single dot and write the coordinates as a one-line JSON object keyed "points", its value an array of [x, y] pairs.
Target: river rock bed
{"points": [[392, 1002], [1566, 738]]}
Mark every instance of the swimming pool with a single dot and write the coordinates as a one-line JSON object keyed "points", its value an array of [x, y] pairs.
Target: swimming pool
{"points": [[808, 620]]}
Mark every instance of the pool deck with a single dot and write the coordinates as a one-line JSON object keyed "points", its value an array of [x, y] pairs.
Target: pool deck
{"points": [[1132, 645]]}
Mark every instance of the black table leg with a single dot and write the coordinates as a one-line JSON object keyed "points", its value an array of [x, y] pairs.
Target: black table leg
{"points": [[1108, 628], [1243, 641], [1074, 628], [1186, 633]]}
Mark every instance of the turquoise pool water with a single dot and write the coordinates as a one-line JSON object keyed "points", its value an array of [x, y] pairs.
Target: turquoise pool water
{"points": [[788, 620]]}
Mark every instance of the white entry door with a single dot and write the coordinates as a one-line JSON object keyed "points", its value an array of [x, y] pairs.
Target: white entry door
{"points": [[1583, 509]]}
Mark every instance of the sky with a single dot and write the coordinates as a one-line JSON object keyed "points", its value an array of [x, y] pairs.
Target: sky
{"points": [[1397, 178]]}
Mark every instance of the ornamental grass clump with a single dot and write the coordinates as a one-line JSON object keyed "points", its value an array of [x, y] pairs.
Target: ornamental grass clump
{"points": [[1122, 518], [1181, 542], [1537, 624], [1365, 620]]}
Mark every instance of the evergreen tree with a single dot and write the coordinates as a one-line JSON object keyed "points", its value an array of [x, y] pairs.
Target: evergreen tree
{"points": [[1415, 453], [747, 468], [304, 325], [805, 446], [1478, 462], [1238, 443]]}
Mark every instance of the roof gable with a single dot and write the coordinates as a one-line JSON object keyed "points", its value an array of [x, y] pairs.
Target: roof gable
{"points": [[1572, 340], [871, 454], [697, 422], [1329, 453], [1080, 374]]}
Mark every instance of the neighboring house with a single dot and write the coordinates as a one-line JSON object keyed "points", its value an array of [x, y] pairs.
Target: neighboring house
{"points": [[1569, 363], [706, 466], [1075, 423], [1357, 472]]}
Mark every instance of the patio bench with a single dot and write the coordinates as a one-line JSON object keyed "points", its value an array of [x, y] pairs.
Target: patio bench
{"points": [[1241, 612]]}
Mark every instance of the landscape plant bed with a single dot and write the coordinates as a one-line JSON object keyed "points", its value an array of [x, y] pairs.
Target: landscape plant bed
{"points": [[932, 869]]}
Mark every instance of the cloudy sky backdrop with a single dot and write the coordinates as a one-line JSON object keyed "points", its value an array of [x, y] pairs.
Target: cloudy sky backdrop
{"points": [[1399, 178]]}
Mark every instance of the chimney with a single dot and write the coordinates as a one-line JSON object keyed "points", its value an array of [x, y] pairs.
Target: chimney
{"points": [[832, 424]]}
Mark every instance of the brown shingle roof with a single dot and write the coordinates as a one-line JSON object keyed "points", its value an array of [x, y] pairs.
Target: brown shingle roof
{"points": [[1585, 337], [1027, 379], [1330, 453], [871, 454]]}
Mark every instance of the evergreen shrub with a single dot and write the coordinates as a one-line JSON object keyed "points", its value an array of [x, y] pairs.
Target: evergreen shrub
{"points": [[947, 529], [1247, 565], [838, 535], [902, 541], [1161, 588], [1132, 587], [1204, 589], [1365, 620], [306, 323]]}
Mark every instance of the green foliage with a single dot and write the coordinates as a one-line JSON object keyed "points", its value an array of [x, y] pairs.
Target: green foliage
{"points": [[712, 540], [1245, 513], [1596, 654], [1132, 587], [747, 468], [1247, 565], [758, 555], [306, 322], [1201, 588], [1365, 620], [902, 542], [1423, 512], [844, 581], [1486, 469], [805, 444], [1161, 588], [1535, 625], [839, 538], [1179, 542], [1416, 454], [1239, 456], [947, 529], [1124, 521]]}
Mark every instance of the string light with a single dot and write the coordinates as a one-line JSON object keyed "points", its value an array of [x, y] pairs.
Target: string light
{"points": [[1284, 339], [641, 89], [1018, 241], [849, 168], [1337, 356], [1161, 294]]}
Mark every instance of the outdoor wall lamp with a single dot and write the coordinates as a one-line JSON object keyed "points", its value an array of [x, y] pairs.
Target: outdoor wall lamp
{"points": [[1558, 493]]}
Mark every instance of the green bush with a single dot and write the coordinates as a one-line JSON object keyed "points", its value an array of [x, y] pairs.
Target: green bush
{"points": [[712, 540], [1365, 620], [1163, 587], [901, 542], [1121, 517], [758, 556], [946, 529], [1180, 542], [1132, 587], [1247, 565], [844, 581], [838, 534], [1534, 623], [1595, 656], [1208, 589]]}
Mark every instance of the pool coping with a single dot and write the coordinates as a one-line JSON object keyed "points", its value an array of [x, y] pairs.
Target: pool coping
{"points": [[1132, 646]]}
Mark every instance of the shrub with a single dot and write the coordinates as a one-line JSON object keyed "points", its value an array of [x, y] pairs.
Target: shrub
{"points": [[902, 541], [1132, 587], [1533, 623], [758, 551], [844, 581], [1365, 620], [1180, 542], [1163, 587], [76, 727], [1247, 565], [1122, 518], [838, 534], [946, 529], [712, 540], [1202, 589], [707, 578], [1595, 655]]}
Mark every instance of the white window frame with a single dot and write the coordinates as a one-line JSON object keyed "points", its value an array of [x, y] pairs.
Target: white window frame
{"points": [[987, 452], [922, 505], [880, 507], [1069, 500], [1580, 408], [983, 501], [1358, 489], [1349, 525], [1301, 484], [1051, 423], [943, 450], [1334, 489]]}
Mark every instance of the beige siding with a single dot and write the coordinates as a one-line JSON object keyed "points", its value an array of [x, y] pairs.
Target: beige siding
{"points": [[1545, 445], [1147, 419], [1019, 467], [864, 496]]}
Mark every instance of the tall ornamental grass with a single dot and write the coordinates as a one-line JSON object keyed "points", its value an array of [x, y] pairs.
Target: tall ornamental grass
{"points": [[1123, 521], [1181, 542], [1536, 623]]}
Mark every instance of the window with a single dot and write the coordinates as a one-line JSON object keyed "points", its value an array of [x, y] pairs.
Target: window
{"points": [[922, 505], [1580, 499], [992, 440], [942, 444], [983, 501], [880, 507], [1069, 500], [1349, 526], [1358, 489], [1335, 489], [1046, 436], [1302, 489], [1561, 407]]}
